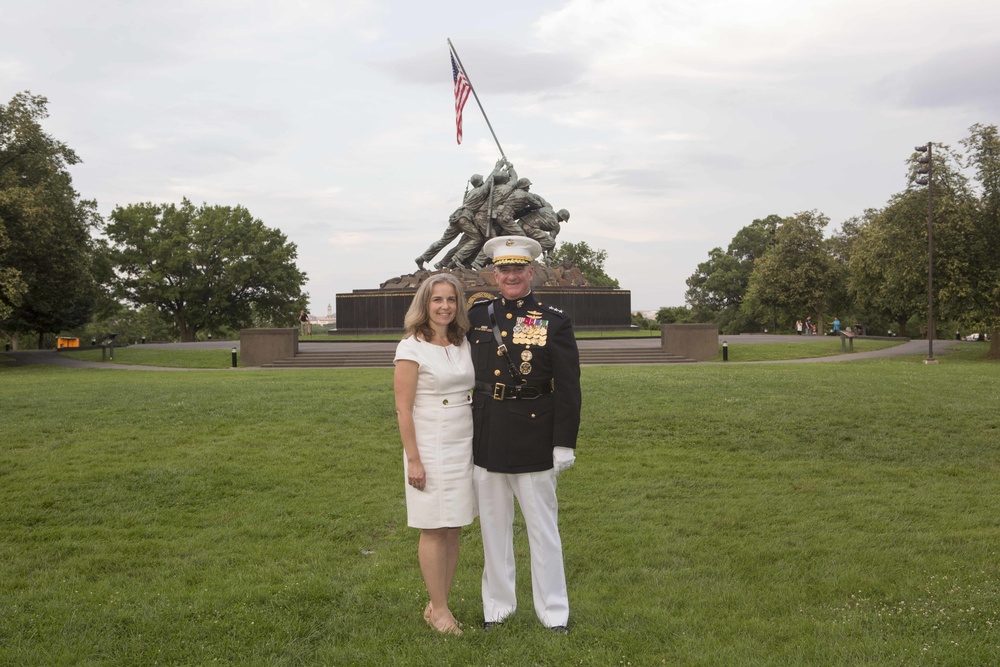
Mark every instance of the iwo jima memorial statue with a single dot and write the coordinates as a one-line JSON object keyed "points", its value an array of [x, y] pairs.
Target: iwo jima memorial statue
{"points": [[501, 204]]}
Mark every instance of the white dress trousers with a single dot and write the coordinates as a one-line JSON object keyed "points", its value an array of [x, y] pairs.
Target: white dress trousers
{"points": [[536, 495]]}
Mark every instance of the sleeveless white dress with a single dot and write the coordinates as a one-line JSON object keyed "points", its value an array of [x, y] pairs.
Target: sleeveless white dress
{"points": [[442, 417]]}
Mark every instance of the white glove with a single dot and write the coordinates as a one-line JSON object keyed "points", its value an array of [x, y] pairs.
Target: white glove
{"points": [[562, 458]]}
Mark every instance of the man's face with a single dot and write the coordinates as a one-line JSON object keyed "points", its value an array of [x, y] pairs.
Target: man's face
{"points": [[514, 280]]}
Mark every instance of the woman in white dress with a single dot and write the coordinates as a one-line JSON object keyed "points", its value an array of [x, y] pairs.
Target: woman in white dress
{"points": [[433, 385]]}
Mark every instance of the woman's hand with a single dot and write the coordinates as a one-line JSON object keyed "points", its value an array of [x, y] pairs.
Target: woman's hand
{"points": [[415, 475]]}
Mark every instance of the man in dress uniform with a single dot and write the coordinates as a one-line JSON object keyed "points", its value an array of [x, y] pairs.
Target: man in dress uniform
{"points": [[526, 414]]}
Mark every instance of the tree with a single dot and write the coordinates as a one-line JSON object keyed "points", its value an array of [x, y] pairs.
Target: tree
{"points": [[798, 275], [204, 268], [11, 285], [675, 315], [129, 325], [46, 249], [888, 261], [589, 261], [640, 321], [983, 295], [718, 286]]}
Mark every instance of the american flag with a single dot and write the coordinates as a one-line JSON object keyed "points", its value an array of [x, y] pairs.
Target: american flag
{"points": [[462, 90]]}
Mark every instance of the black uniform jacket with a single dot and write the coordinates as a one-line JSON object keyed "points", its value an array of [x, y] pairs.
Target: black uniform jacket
{"points": [[517, 436]]}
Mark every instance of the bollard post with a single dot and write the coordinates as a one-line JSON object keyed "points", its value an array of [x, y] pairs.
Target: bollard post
{"points": [[725, 351], [234, 357]]}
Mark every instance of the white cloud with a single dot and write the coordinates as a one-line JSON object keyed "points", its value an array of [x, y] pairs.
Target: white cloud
{"points": [[663, 127], [352, 239]]}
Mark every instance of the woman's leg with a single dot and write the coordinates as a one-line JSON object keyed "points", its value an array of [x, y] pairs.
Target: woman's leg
{"points": [[453, 540], [433, 553]]}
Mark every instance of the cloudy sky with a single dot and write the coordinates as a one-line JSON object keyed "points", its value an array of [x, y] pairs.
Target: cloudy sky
{"points": [[664, 126]]}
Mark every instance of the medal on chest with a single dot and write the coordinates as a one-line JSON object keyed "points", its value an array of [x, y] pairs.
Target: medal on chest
{"points": [[530, 331]]}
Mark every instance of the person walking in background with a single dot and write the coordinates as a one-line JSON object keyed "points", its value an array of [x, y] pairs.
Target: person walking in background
{"points": [[798, 326], [809, 326], [836, 325], [433, 387], [305, 327], [526, 411]]}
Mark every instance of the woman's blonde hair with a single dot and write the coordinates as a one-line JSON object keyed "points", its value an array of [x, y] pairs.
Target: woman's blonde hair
{"points": [[418, 316]]}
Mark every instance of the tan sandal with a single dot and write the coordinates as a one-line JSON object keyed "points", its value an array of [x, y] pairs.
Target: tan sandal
{"points": [[449, 629]]}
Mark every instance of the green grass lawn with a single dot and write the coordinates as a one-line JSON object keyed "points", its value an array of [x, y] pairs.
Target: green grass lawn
{"points": [[162, 357], [807, 349], [842, 514]]}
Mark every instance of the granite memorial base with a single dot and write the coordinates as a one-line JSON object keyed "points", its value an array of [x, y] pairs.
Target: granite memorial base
{"points": [[693, 341], [590, 308], [263, 346]]}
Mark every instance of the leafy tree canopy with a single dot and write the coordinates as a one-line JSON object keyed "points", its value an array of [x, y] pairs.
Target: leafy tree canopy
{"points": [[718, 286], [798, 275], [590, 262], [675, 315], [11, 285], [46, 251], [888, 257], [983, 296], [210, 267]]}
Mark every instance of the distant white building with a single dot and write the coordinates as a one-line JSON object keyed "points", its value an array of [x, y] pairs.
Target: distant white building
{"points": [[329, 321]]}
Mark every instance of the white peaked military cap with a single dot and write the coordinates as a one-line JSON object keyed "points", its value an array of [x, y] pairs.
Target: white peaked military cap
{"points": [[512, 250]]}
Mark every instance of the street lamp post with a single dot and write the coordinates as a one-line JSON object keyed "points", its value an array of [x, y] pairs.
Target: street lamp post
{"points": [[926, 179], [774, 306]]}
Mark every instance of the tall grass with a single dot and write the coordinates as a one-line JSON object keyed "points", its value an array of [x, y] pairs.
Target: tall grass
{"points": [[751, 515]]}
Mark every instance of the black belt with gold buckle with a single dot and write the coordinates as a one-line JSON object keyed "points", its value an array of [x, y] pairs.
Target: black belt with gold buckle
{"points": [[511, 392]]}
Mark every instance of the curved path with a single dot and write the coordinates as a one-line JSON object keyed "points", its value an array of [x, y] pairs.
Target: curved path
{"points": [[50, 357], [910, 347]]}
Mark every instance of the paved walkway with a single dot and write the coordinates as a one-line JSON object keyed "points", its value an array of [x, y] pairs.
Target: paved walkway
{"points": [[906, 349], [50, 357]]}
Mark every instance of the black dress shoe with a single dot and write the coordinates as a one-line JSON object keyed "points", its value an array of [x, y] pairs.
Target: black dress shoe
{"points": [[560, 629], [489, 625]]}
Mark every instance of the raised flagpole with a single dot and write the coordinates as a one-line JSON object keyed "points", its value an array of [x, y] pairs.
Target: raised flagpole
{"points": [[473, 89]]}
